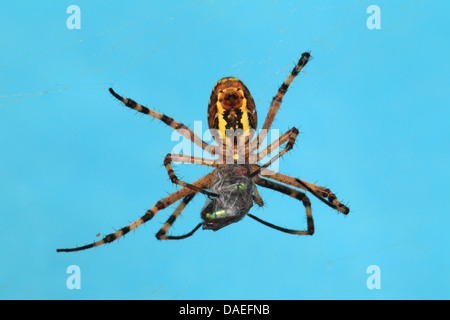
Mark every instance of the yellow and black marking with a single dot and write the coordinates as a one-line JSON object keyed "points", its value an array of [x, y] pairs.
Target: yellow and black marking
{"points": [[231, 107]]}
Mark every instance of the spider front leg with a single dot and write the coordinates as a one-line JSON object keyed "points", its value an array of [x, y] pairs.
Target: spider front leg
{"points": [[323, 194], [294, 194], [161, 204], [257, 198], [174, 178], [161, 235]]}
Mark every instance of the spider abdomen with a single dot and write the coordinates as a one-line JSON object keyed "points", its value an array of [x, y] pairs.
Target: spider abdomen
{"points": [[231, 107]]}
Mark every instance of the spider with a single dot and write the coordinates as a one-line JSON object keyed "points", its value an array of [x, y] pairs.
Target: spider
{"points": [[231, 187]]}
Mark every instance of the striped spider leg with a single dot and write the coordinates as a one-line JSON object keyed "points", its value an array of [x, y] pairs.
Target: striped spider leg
{"points": [[181, 128], [319, 192], [290, 136], [292, 193], [276, 101], [161, 235], [168, 165], [161, 204]]}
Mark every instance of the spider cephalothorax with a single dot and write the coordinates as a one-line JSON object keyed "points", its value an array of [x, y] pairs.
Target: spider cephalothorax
{"points": [[232, 186]]}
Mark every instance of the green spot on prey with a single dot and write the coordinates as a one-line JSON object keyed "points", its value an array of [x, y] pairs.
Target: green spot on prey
{"points": [[241, 186], [217, 214]]}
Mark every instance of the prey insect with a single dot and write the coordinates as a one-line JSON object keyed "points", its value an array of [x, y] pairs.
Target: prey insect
{"points": [[232, 187]]}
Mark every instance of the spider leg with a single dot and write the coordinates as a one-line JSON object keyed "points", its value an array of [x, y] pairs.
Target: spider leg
{"points": [[290, 136], [294, 194], [174, 178], [276, 101], [319, 192], [181, 128], [193, 160], [161, 235], [161, 204], [257, 198]]}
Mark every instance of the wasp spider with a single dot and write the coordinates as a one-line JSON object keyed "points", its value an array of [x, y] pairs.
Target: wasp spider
{"points": [[231, 188]]}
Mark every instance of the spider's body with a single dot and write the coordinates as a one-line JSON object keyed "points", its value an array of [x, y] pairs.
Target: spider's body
{"points": [[231, 115], [232, 186], [231, 107]]}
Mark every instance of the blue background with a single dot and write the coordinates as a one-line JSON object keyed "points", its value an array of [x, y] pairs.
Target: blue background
{"points": [[372, 107]]}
